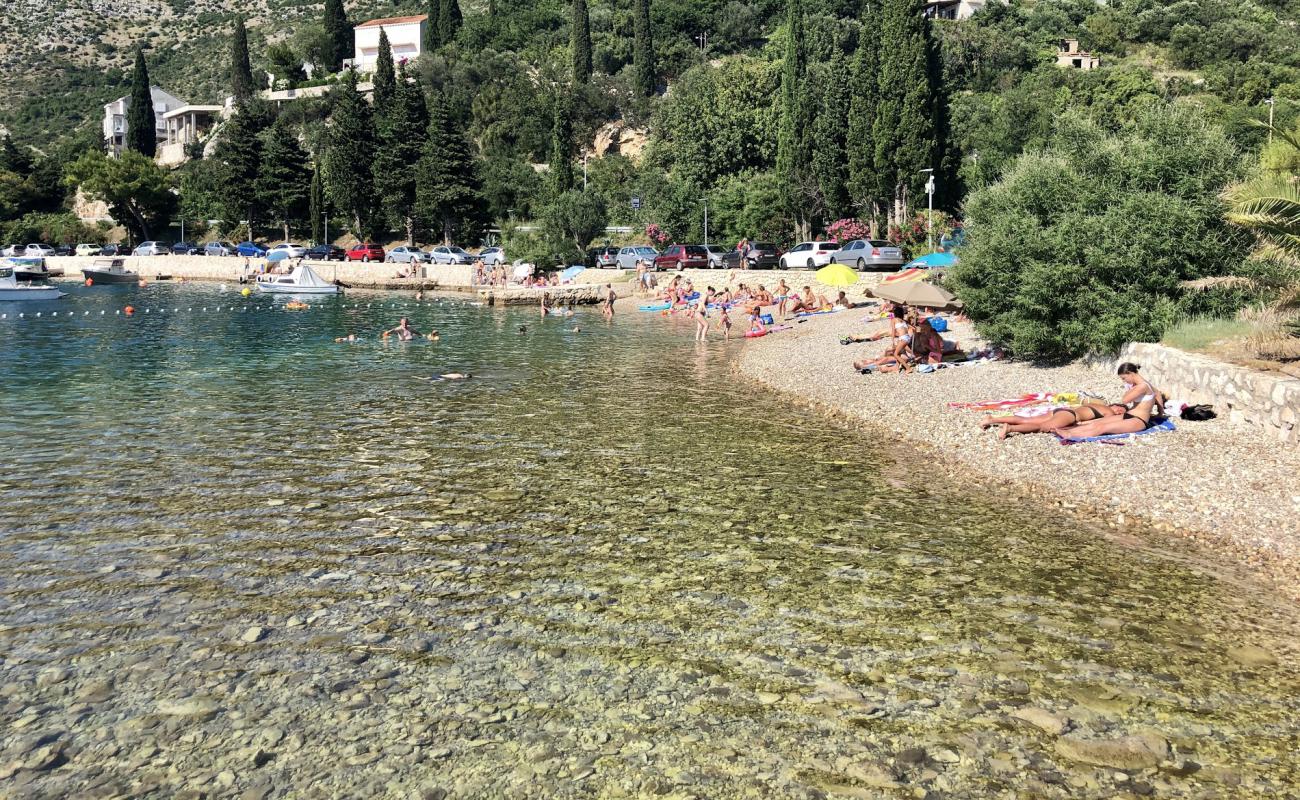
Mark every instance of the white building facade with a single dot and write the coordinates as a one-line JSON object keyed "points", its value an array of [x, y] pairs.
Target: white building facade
{"points": [[115, 124], [405, 37], [953, 9]]}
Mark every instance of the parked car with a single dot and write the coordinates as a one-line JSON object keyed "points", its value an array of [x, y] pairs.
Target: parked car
{"points": [[869, 254], [366, 252], [64, 250], [762, 255], [491, 256], [250, 250], [628, 256], [406, 254], [38, 251], [326, 252], [112, 250], [151, 249], [808, 254], [716, 253], [185, 249], [293, 250], [12, 250], [683, 256], [88, 250], [450, 255], [602, 257], [219, 249]]}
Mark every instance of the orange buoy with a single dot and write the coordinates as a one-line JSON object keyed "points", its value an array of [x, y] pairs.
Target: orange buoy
{"points": [[129, 310], [90, 281]]}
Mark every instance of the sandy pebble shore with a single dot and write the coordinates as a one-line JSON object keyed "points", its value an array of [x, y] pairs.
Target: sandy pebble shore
{"points": [[1228, 488]]}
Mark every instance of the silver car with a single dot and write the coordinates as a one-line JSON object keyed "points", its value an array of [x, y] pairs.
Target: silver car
{"points": [[406, 254], [628, 256], [450, 255], [12, 250], [294, 250], [716, 253], [38, 251], [869, 254], [152, 249], [492, 256], [219, 249]]}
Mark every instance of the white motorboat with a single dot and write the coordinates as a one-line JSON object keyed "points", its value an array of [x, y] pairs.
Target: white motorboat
{"points": [[12, 291], [27, 269], [303, 280]]}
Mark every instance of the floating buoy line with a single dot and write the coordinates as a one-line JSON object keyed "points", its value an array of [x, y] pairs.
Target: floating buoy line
{"points": [[131, 311]]}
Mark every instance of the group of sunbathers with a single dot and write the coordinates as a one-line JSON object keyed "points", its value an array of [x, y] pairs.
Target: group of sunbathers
{"points": [[913, 341], [1141, 407]]}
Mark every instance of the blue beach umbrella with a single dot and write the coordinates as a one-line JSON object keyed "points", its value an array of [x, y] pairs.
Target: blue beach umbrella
{"points": [[572, 272], [277, 255], [933, 260]]}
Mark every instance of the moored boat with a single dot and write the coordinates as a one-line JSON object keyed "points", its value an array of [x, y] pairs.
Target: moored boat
{"points": [[12, 291], [303, 280], [27, 269], [110, 270]]}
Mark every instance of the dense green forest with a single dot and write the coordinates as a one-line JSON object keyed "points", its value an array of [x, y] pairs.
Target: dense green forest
{"points": [[779, 116]]}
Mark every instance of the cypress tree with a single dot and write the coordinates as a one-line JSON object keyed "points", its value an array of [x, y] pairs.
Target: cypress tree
{"points": [[561, 166], [449, 194], [792, 145], [829, 134], [317, 206], [643, 49], [449, 20], [385, 79], [402, 127], [240, 154], [141, 124], [903, 132], [432, 27], [346, 166], [864, 88], [281, 185], [241, 71], [340, 33], [580, 42]]}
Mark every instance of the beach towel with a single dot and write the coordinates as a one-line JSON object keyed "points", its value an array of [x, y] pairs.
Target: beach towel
{"points": [[1033, 398], [656, 307], [1117, 438], [815, 313]]}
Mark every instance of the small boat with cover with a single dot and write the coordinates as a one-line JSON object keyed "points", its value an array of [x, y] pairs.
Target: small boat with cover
{"points": [[303, 280], [110, 270], [12, 291], [27, 269]]}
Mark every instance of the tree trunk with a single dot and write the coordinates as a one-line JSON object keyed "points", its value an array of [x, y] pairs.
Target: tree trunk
{"points": [[286, 230], [410, 231]]}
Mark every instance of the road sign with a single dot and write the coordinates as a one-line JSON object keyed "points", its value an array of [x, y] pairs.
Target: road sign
{"points": [[636, 204]]}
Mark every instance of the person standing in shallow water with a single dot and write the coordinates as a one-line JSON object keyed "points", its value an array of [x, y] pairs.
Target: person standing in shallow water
{"points": [[607, 305]]}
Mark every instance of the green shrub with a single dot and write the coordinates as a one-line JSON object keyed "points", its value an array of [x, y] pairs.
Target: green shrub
{"points": [[1085, 246]]}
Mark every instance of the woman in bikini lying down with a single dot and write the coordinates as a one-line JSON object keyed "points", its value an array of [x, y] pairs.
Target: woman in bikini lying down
{"points": [[1050, 423]]}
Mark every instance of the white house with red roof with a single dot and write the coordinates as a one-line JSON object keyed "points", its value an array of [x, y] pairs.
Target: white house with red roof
{"points": [[405, 36]]}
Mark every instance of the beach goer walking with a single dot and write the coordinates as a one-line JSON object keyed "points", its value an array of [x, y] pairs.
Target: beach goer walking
{"points": [[724, 320], [607, 305], [702, 315]]}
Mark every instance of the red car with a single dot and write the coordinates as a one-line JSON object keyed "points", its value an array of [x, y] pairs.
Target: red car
{"points": [[366, 252], [683, 256]]}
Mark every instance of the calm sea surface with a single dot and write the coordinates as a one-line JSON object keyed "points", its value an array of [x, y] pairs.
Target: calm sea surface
{"points": [[238, 559]]}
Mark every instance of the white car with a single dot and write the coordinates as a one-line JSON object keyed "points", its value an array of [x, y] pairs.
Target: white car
{"points": [[406, 255], [12, 250], [293, 250], [492, 256], [450, 255], [810, 255], [88, 250], [628, 256], [38, 251]]}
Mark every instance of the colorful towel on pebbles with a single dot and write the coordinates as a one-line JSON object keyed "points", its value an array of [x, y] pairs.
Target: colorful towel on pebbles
{"points": [[1031, 399], [1118, 438]]}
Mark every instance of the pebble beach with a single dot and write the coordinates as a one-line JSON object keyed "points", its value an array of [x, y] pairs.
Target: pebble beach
{"points": [[1227, 488]]}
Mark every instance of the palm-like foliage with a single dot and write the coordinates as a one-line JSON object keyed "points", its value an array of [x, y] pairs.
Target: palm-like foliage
{"points": [[1269, 205]]}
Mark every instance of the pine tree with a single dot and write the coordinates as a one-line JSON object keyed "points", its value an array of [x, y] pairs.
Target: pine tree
{"points": [[643, 49], [317, 206], [580, 42], [864, 88], [402, 127], [828, 145], [241, 71], [141, 124], [792, 151], [561, 166], [281, 185], [384, 80], [349, 182], [903, 132], [449, 21], [239, 152], [340, 33], [449, 195]]}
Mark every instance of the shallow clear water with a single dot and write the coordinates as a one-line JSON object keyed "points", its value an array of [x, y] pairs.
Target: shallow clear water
{"points": [[602, 567]]}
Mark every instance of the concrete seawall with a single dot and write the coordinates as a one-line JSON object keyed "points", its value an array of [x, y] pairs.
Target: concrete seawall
{"points": [[204, 268]]}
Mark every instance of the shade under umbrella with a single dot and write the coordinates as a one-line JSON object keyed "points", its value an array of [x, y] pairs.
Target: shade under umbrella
{"points": [[836, 275], [277, 255], [933, 260], [918, 293]]}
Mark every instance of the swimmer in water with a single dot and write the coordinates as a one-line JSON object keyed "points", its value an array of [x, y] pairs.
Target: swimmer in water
{"points": [[350, 338], [403, 330], [455, 376]]}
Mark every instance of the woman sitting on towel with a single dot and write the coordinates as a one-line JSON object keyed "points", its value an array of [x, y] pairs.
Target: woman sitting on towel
{"points": [[1055, 421], [1143, 406]]}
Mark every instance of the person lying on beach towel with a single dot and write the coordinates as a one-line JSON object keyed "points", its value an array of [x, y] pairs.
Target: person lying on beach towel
{"points": [[807, 301], [894, 314], [1050, 422]]}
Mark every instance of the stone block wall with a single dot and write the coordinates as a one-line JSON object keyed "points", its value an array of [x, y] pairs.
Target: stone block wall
{"points": [[1266, 400]]}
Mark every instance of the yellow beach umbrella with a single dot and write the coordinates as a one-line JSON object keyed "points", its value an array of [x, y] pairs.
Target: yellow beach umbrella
{"points": [[836, 275]]}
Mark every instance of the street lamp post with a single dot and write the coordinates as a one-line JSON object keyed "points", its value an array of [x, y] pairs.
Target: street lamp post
{"points": [[706, 221], [929, 217], [1271, 101]]}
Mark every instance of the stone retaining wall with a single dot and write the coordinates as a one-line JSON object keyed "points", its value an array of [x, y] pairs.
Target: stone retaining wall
{"points": [[204, 268], [1265, 400]]}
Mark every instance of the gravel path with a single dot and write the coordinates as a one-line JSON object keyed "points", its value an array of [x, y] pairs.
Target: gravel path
{"points": [[1227, 487]]}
